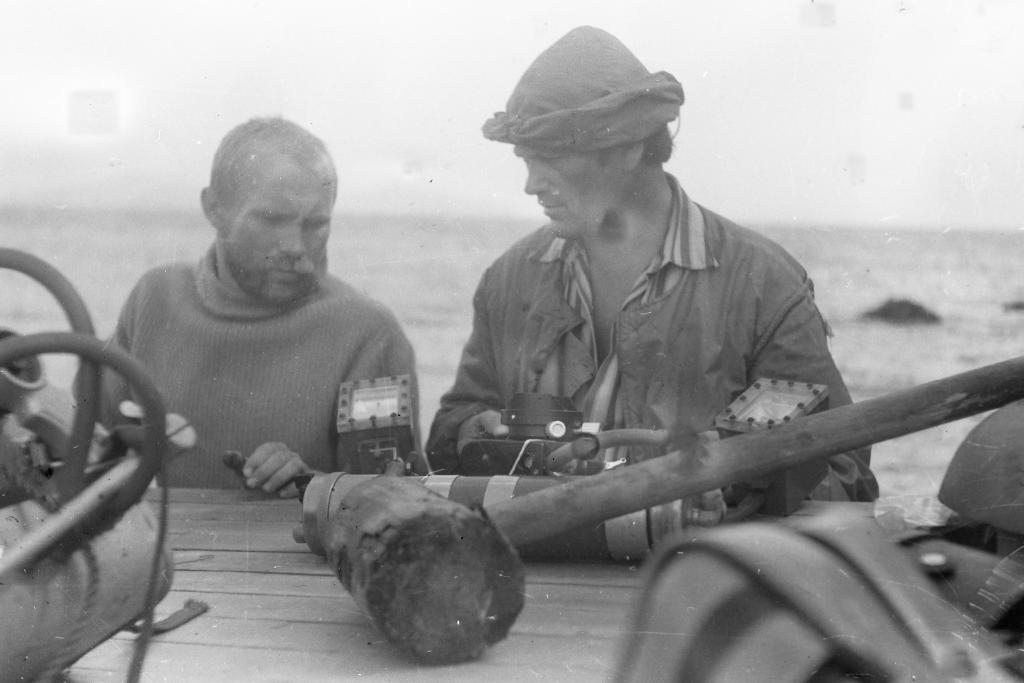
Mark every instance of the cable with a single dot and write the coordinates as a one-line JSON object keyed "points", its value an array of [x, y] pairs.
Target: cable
{"points": [[92, 349], [87, 381], [87, 394], [150, 462], [52, 279], [586, 446], [146, 630]]}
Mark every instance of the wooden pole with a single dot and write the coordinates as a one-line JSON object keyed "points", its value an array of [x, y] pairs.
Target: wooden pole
{"points": [[593, 499]]}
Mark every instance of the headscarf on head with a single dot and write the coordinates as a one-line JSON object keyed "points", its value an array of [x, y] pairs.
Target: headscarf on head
{"points": [[584, 93]]}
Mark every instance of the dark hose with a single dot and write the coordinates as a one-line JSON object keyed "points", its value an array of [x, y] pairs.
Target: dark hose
{"points": [[154, 443], [87, 382], [586, 446], [92, 355], [95, 351]]}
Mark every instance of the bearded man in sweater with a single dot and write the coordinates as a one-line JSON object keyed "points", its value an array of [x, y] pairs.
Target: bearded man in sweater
{"points": [[252, 343]]}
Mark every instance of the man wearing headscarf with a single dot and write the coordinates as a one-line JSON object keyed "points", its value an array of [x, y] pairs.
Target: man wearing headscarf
{"points": [[645, 308]]}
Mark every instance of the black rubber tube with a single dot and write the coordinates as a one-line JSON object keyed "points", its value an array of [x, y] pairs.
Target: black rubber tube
{"points": [[96, 352], [87, 381], [92, 354], [586, 446]]}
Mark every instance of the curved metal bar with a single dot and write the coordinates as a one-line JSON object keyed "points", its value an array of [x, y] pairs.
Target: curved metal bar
{"points": [[87, 381], [92, 349]]}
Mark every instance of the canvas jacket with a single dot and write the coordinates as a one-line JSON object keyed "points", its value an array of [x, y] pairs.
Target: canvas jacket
{"points": [[743, 310]]}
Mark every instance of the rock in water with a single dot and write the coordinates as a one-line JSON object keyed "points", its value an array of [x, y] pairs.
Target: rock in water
{"points": [[902, 312], [1013, 306]]}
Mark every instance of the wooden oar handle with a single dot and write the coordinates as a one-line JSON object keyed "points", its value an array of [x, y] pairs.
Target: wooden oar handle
{"points": [[591, 500]]}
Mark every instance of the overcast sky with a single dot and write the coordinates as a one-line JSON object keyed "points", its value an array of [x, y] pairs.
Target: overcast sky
{"points": [[864, 112]]}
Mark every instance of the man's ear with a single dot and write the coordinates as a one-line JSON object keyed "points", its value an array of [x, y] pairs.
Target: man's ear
{"points": [[633, 156], [213, 209], [627, 158]]}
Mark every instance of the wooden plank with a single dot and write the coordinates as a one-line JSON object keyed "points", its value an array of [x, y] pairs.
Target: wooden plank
{"points": [[261, 562], [567, 607], [227, 504], [278, 613], [597, 574], [322, 585], [348, 629], [231, 497], [327, 587], [540, 659], [570, 611], [255, 607], [236, 535], [326, 584], [290, 514]]}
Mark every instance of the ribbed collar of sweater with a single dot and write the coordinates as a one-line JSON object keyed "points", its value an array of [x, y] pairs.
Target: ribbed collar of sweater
{"points": [[220, 294]]}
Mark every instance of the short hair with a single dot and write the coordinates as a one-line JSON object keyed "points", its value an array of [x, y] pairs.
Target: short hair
{"points": [[658, 147], [286, 137]]}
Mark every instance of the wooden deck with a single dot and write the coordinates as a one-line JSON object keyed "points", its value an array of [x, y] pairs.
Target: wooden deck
{"points": [[278, 614]]}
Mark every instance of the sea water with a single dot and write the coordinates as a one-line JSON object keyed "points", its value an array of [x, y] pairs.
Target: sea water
{"points": [[425, 269]]}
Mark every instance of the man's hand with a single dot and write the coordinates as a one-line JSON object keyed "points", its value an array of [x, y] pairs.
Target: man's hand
{"points": [[706, 509], [487, 423], [272, 466]]}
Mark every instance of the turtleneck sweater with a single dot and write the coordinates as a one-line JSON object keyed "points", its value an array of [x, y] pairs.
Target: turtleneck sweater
{"points": [[243, 372]]}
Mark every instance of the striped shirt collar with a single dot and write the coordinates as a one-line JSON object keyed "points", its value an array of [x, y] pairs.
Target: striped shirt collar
{"points": [[685, 245]]}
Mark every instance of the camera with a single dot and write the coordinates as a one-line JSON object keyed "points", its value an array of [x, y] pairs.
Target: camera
{"points": [[537, 425]]}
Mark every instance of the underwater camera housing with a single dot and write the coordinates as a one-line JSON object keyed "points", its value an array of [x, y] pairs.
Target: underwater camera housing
{"points": [[374, 422], [537, 425], [767, 404]]}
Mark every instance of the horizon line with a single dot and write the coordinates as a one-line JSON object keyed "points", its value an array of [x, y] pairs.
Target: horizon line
{"points": [[9, 209]]}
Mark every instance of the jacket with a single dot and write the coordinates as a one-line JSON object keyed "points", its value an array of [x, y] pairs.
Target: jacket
{"points": [[744, 309]]}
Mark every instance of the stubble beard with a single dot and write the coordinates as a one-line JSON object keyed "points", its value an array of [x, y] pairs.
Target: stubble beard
{"points": [[256, 283]]}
